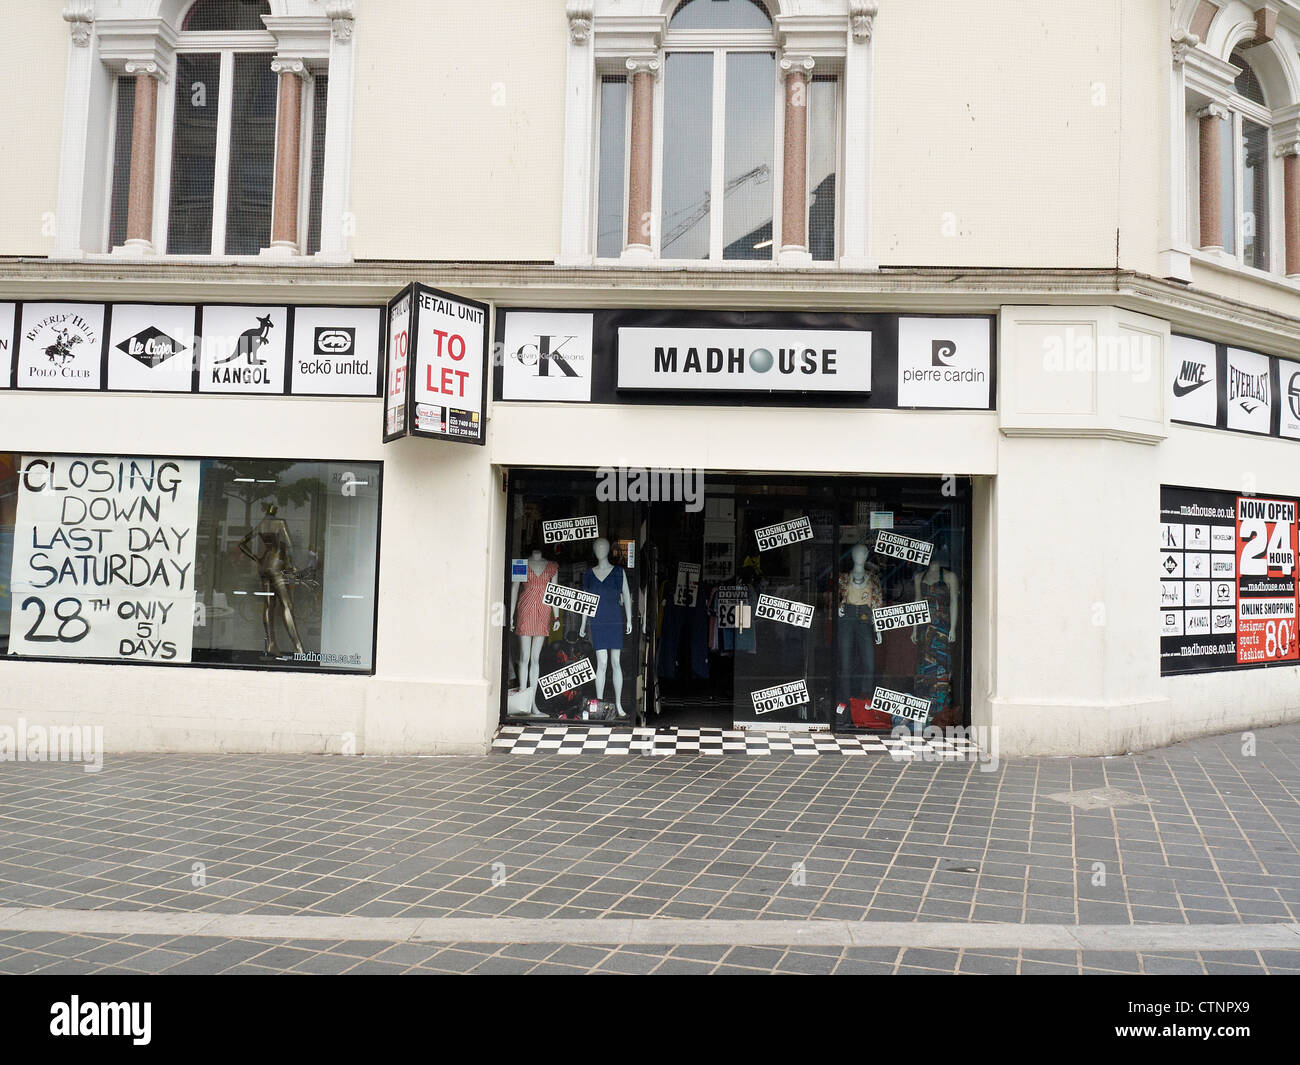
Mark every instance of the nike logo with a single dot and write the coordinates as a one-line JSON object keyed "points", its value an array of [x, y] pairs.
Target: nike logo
{"points": [[1181, 389]]}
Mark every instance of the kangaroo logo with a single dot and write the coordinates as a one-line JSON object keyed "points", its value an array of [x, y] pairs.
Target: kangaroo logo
{"points": [[61, 350], [250, 340]]}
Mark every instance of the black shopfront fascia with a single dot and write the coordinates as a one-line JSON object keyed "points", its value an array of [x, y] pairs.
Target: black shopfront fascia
{"points": [[560, 481]]}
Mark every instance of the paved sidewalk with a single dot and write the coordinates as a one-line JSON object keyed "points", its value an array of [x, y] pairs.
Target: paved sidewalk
{"points": [[1209, 838]]}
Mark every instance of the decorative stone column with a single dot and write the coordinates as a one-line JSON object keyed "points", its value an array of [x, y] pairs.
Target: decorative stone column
{"points": [[288, 138], [796, 71], [1211, 184], [642, 72], [1290, 154], [144, 138]]}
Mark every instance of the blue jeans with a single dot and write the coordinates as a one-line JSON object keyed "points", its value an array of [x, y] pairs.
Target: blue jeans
{"points": [[693, 623], [857, 654]]}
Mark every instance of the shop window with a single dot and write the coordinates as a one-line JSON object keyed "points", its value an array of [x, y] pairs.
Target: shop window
{"points": [[259, 563], [804, 603]]}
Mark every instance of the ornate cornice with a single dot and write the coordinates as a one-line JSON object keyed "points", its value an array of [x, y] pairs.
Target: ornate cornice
{"points": [[644, 64], [342, 14], [862, 18], [1287, 148], [796, 64], [1183, 42], [580, 13], [288, 65], [150, 67], [1213, 111], [80, 17]]}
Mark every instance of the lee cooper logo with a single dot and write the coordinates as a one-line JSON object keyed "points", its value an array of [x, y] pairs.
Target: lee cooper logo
{"points": [[151, 347]]}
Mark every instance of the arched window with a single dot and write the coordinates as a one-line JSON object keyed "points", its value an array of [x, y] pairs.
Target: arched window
{"points": [[1231, 162], [210, 15], [724, 144]]}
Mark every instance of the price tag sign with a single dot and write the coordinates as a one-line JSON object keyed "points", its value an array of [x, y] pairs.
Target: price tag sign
{"points": [[1266, 580]]}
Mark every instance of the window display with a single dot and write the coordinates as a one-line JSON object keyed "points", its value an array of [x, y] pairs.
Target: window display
{"points": [[251, 562], [808, 603]]}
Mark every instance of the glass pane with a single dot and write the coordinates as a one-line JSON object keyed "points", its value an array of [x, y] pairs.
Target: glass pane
{"points": [[255, 562], [319, 102], [557, 659], [227, 15], [252, 156], [613, 150], [720, 15], [823, 143], [277, 537], [121, 161], [1228, 185], [1247, 83], [194, 152], [747, 193], [1254, 221], [688, 155]]}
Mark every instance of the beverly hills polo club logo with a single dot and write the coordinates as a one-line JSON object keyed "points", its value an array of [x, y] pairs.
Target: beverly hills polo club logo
{"points": [[65, 345], [151, 347]]}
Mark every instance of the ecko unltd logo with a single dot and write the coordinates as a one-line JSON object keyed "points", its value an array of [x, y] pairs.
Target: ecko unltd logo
{"points": [[334, 340]]}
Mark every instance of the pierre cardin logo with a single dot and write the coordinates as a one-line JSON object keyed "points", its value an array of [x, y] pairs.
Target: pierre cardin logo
{"points": [[1193, 374], [942, 352], [1248, 390], [151, 347]]}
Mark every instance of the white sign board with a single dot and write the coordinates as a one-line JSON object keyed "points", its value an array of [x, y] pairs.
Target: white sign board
{"points": [[103, 563], [745, 360], [449, 379], [59, 345], [945, 362], [151, 348], [1250, 392], [335, 351], [547, 355], [6, 343], [243, 349], [1193, 394]]}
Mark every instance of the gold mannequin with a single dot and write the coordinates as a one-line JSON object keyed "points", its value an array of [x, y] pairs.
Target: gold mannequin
{"points": [[274, 566]]}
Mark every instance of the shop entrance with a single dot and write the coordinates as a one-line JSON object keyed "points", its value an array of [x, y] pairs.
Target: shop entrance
{"points": [[802, 603]]}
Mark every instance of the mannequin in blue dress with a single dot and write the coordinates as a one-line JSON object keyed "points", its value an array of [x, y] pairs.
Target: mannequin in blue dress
{"points": [[611, 623]]}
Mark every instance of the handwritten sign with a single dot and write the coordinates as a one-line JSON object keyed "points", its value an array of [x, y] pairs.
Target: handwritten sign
{"points": [[103, 563]]}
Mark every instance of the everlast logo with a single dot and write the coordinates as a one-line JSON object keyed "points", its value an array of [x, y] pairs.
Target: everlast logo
{"points": [[151, 346], [1191, 376], [787, 361], [548, 354], [1248, 390]]}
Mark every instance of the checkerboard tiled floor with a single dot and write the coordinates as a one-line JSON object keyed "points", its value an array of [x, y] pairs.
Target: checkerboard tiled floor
{"points": [[627, 740]]}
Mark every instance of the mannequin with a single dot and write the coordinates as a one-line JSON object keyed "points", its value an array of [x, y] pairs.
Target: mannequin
{"points": [[274, 567], [610, 625], [531, 620], [938, 586], [860, 592]]}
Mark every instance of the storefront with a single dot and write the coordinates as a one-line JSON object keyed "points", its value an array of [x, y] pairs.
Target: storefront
{"points": [[378, 524], [700, 598]]}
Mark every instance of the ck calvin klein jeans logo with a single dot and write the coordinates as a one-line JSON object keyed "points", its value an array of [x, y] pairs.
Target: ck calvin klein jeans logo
{"points": [[942, 352], [548, 355]]}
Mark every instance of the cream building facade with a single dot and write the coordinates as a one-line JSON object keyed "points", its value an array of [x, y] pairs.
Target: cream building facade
{"points": [[1111, 189]]}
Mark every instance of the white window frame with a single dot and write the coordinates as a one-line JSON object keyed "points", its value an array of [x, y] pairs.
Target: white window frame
{"points": [[719, 44], [595, 168]]}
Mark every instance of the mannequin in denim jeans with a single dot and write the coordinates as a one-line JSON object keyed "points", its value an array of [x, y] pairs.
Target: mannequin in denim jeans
{"points": [[860, 592]]}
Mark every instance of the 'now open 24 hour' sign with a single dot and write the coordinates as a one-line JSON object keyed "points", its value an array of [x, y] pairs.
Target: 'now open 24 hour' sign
{"points": [[436, 366]]}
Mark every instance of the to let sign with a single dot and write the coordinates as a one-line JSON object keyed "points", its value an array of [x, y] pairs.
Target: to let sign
{"points": [[438, 371]]}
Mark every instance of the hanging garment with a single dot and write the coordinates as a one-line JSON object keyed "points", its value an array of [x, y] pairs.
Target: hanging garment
{"points": [[532, 616], [934, 663], [685, 622], [608, 626]]}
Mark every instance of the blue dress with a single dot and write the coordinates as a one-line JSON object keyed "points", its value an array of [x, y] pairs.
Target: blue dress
{"points": [[608, 624]]}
